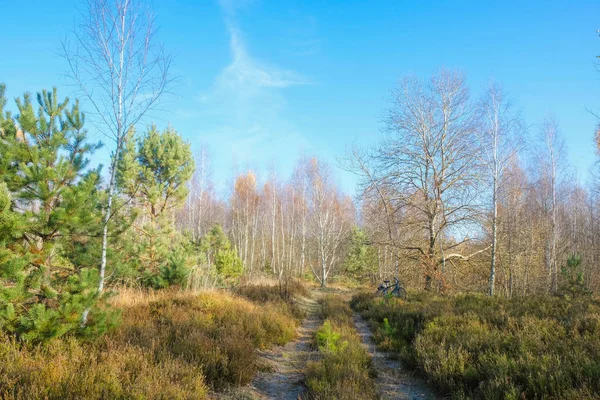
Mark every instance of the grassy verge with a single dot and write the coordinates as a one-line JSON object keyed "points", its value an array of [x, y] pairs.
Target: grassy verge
{"points": [[344, 370], [473, 346], [170, 346], [283, 298]]}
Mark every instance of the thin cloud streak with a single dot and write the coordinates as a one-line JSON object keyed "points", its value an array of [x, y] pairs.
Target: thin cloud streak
{"points": [[246, 77], [246, 105]]}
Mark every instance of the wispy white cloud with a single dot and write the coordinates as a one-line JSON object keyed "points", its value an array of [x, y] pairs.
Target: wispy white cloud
{"points": [[245, 106], [245, 71], [247, 77], [231, 7]]}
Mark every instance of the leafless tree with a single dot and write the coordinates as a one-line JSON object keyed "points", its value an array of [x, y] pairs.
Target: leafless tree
{"points": [[300, 182], [512, 203], [121, 69], [202, 208], [330, 220], [425, 172], [500, 139], [552, 165]]}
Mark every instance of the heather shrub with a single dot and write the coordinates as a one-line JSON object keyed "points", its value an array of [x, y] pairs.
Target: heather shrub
{"points": [[69, 369], [272, 293], [283, 297], [171, 345], [344, 370], [337, 310], [215, 331], [475, 346]]}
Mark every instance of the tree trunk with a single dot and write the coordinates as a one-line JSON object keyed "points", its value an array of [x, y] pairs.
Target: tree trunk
{"points": [[107, 215], [492, 280], [323, 273], [431, 261]]}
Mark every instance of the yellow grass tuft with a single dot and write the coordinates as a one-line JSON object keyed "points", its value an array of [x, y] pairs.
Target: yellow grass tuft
{"points": [[171, 345]]}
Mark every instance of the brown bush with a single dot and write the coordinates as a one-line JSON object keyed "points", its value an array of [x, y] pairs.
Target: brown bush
{"points": [[345, 369], [68, 369], [474, 346], [284, 296], [214, 331], [171, 345]]}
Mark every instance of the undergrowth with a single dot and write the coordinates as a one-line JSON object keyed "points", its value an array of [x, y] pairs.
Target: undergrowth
{"points": [[283, 296], [344, 370], [473, 346], [170, 346]]}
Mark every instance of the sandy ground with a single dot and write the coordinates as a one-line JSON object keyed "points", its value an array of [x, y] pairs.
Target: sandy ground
{"points": [[284, 366], [393, 381], [283, 374]]}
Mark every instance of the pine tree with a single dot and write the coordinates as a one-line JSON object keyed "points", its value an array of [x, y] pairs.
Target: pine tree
{"points": [[48, 206], [573, 283], [217, 249], [154, 172], [361, 259]]}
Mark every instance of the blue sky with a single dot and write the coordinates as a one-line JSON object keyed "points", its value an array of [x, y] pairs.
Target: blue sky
{"points": [[262, 81]]}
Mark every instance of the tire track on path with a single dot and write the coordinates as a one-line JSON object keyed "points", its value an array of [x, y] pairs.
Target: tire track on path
{"points": [[394, 382], [285, 365]]}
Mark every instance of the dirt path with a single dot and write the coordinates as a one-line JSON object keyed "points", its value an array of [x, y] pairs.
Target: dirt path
{"points": [[394, 381], [283, 375]]}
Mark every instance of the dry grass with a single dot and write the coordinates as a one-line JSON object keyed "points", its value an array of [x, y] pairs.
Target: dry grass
{"points": [[285, 298], [68, 369], [474, 346], [345, 369], [171, 345], [259, 280]]}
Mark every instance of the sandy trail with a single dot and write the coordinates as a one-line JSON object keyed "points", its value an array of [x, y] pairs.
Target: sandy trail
{"points": [[393, 380], [283, 377]]}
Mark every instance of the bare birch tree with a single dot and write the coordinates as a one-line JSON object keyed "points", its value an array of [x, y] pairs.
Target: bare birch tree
{"points": [[500, 138], [425, 171], [329, 219], [512, 203], [552, 163], [300, 182], [121, 69]]}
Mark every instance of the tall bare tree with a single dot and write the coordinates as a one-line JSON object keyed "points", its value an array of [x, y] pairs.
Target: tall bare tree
{"points": [[330, 220], [512, 203], [121, 69], [552, 164], [300, 182], [425, 172], [500, 138], [202, 206]]}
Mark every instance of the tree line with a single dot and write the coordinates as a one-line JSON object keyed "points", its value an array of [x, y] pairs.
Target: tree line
{"points": [[287, 229], [457, 196], [460, 194]]}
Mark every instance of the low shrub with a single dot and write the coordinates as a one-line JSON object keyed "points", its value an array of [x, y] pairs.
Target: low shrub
{"points": [[215, 331], [337, 310], [70, 369], [475, 346], [263, 293], [171, 345], [344, 370], [284, 296]]}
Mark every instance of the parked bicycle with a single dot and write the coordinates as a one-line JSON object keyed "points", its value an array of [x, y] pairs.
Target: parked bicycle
{"points": [[392, 290]]}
